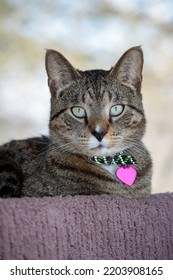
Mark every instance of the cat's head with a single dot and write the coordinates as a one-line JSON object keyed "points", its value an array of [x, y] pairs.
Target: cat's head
{"points": [[96, 112]]}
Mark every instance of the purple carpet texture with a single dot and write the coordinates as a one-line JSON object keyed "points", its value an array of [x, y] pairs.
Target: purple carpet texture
{"points": [[87, 227]]}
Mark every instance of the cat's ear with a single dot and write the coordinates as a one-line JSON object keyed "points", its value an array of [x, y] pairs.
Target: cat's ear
{"points": [[128, 69], [59, 70]]}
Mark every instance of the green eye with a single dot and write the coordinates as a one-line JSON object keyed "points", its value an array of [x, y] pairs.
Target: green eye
{"points": [[116, 110], [78, 112]]}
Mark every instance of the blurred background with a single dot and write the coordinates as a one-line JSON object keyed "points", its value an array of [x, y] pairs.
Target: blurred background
{"points": [[91, 34]]}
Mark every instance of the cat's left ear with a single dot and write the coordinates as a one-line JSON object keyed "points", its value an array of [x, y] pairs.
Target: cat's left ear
{"points": [[128, 69]]}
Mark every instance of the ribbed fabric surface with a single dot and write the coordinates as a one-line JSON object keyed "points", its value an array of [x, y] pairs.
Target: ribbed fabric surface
{"points": [[87, 227]]}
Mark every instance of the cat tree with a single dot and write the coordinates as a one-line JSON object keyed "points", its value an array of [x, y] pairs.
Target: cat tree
{"points": [[87, 227]]}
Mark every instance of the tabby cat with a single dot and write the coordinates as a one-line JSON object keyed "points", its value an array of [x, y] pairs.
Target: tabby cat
{"points": [[94, 146]]}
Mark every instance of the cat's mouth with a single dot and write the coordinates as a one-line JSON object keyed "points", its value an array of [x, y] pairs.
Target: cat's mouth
{"points": [[100, 147], [101, 150]]}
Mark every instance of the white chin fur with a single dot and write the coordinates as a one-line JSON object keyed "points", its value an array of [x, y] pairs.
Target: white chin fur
{"points": [[101, 148]]}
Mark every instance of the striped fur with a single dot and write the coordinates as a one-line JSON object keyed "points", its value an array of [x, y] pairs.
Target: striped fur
{"points": [[60, 163]]}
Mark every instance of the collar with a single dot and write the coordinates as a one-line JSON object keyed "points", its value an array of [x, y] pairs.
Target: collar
{"points": [[118, 158]]}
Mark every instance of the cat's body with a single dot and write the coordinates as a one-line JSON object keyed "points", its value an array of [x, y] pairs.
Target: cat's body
{"points": [[93, 113]]}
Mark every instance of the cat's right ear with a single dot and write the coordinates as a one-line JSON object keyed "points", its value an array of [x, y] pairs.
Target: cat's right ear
{"points": [[59, 70]]}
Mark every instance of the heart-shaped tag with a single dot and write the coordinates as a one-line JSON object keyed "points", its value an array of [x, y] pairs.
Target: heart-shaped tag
{"points": [[126, 174]]}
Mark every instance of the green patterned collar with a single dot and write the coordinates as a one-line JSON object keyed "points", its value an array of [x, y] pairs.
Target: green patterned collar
{"points": [[115, 159]]}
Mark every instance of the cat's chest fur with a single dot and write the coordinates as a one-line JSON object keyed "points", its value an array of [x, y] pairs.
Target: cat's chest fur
{"points": [[111, 169]]}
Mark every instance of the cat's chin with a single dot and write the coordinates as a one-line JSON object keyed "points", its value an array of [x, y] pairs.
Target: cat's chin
{"points": [[104, 151]]}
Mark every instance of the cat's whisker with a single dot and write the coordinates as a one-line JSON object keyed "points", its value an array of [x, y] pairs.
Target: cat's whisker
{"points": [[138, 149], [54, 150]]}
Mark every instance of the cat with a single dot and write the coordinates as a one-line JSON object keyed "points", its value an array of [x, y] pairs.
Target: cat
{"points": [[96, 127]]}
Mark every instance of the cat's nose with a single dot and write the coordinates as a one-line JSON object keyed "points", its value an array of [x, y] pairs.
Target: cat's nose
{"points": [[99, 134], [99, 128]]}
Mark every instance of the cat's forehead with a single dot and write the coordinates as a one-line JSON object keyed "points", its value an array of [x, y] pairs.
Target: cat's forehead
{"points": [[95, 87], [92, 96]]}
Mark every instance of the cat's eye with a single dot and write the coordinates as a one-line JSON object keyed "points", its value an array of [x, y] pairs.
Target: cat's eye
{"points": [[116, 110], [78, 112]]}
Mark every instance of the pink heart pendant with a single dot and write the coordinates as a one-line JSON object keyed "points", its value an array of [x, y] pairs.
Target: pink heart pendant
{"points": [[127, 175]]}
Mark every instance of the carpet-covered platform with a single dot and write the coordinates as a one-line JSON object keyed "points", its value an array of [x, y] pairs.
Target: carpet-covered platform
{"points": [[87, 227]]}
